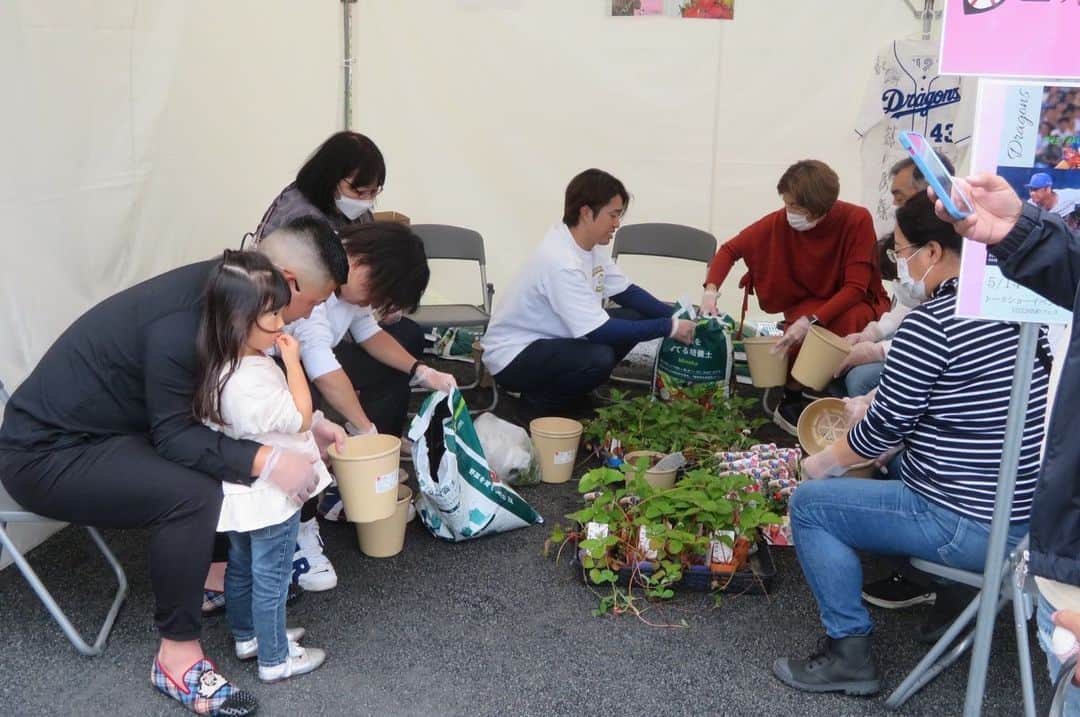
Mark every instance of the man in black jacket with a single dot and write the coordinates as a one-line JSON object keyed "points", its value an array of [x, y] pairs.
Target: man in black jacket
{"points": [[102, 433], [1035, 248]]}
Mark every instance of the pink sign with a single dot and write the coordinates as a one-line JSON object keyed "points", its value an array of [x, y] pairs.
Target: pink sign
{"points": [[1011, 38]]}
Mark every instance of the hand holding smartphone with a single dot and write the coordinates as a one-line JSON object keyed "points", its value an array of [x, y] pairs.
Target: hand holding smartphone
{"points": [[952, 197]]}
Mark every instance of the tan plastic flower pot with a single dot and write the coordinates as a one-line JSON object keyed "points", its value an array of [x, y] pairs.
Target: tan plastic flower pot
{"points": [[367, 476], [660, 480], [821, 424], [556, 442], [766, 370], [385, 538], [821, 354]]}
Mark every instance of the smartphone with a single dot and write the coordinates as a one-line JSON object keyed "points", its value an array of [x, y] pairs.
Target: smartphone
{"points": [[952, 198]]}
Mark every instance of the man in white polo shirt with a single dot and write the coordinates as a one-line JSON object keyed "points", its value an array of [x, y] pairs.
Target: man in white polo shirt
{"points": [[550, 337], [358, 369]]}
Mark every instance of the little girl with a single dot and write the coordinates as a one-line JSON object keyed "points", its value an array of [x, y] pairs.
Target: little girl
{"points": [[241, 392]]}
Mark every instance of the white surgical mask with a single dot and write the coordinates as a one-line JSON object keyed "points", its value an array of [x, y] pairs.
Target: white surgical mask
{"points": [[913, 291], [903, 295], [800, 223], [352, 208]]}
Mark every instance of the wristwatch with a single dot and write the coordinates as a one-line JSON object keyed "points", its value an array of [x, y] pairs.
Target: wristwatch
{"points": [[813, 319]]}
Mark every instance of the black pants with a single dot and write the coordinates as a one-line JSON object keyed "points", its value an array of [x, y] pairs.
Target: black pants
{"points": [[554, 373], [383, 391], [121, 482]]}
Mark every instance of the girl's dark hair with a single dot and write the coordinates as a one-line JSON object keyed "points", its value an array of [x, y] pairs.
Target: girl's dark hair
{"points": [[593, 188], [241, 288], [341, 156], [920, 225], [397, 265]]}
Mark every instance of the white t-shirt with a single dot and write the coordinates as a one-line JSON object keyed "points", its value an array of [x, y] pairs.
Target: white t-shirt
{"points": [[559, 294], [256, 405], [905, 92], [325, 328]]}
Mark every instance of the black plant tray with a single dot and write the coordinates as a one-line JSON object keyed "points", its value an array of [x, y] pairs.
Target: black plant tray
{"points": [[755, 578]]}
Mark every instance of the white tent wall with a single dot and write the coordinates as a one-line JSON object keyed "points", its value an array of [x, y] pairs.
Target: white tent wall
{"points": [[142, 134]]}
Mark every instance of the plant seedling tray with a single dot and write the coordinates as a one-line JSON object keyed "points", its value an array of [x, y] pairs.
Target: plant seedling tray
{"points": [[755, 578]]}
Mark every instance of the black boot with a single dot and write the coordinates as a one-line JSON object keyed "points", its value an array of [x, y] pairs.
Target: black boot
{"points": [[839, 665]]}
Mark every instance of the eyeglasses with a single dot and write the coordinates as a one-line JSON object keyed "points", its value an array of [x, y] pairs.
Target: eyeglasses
{"points": [[894, 254], [365, 192]]}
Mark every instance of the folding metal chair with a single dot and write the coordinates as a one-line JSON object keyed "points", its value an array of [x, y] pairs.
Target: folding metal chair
{"points": [[941, 657], [12, 512], [442, 241], [660, 239]]}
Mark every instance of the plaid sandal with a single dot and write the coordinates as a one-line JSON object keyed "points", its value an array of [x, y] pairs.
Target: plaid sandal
{"points": [[204, 691], [213, 602]]}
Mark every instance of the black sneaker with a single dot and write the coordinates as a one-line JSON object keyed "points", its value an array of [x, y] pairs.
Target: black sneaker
{"points": [[838, 665], [896, 592], [786, 415], [951, 601]]}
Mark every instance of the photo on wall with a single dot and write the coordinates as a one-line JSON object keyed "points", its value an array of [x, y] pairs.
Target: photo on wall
{"points": [[700, 9], [1029, 134]]}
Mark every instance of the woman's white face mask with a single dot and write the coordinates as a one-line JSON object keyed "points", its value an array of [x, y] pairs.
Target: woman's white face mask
{"points": [[910, 292], [352, 208], [800, 223]]}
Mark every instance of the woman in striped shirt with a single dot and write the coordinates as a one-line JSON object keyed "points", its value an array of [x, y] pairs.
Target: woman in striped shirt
{"points": [[943, 399]]}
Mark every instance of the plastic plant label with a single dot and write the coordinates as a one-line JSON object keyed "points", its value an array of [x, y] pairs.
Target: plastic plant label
{"points": [[643, 544], [386, 483], [564, 457], [596, 531], [719, 551]]}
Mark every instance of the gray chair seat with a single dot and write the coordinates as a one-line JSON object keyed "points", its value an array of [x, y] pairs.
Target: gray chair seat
{"points": [[443, 315]]}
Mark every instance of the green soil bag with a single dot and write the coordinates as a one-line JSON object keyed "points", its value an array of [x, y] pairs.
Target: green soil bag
{"points": [[708, 360], [460, 498]]}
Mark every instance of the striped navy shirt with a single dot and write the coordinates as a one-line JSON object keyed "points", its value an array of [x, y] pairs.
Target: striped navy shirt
{"points": [[944, 394]]}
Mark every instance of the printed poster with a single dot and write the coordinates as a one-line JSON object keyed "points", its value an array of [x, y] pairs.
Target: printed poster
{"points": [[1029, 133], [700, 9], [1011, 38]]}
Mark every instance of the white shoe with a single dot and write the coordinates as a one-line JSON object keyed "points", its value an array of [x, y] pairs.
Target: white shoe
{"points": [[311, 568], [301, 661], [412, 513], [406, 449], [247, 649]]}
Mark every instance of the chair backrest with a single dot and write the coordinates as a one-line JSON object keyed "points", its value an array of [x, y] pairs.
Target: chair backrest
{"points": [[3, 396], [442, 241], [667, 240]]}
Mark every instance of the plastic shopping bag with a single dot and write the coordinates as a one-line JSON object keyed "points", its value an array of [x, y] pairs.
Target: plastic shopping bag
{"points": [[460, 496], [508, 449]]}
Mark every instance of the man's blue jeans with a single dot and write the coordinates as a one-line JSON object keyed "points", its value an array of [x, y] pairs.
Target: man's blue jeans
{"points": [[256, 585], [1053, 664], [832, 518]]}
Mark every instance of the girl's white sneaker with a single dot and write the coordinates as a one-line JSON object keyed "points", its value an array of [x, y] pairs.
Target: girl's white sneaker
{"points": [[301, 661], [248, 649]]}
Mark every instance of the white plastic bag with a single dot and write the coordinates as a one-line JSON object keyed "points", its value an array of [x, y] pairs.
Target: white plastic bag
{"points": [[459, 496], [508, 449]]}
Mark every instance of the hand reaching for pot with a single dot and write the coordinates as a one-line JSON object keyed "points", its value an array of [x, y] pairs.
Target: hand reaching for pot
{"points": [[794, 336], [822, 465], [682, 330], [861, 353]]}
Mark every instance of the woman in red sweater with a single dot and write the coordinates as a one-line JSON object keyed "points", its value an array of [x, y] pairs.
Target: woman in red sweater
{"points": [[814, 261]]}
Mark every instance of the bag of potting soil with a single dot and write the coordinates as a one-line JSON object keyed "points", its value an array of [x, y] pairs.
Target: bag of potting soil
{"points": [[708, 360], [460, 497]]}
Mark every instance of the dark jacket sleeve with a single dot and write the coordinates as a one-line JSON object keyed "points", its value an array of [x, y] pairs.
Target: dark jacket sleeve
{"points": [[628, 331], [1042, 254], [169, 361], [641, 301]]}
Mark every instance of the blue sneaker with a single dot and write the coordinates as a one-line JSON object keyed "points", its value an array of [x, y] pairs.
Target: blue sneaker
{"points": [[330, 506], [311, 568]]}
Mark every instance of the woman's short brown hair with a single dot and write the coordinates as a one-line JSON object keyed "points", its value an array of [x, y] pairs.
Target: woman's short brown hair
{"points": [[812, 184]]}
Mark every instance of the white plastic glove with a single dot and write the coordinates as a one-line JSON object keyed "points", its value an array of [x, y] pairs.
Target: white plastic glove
{"points": [[327, 432], [708, 302], [369, 430], [434, 380], [855, 408], [682, 330], [293, 472], [862, 353], [793, 336], [822, 465]]}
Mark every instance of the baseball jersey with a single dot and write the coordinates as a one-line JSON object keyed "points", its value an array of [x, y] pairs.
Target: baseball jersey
{"points": [[905, 92]]}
